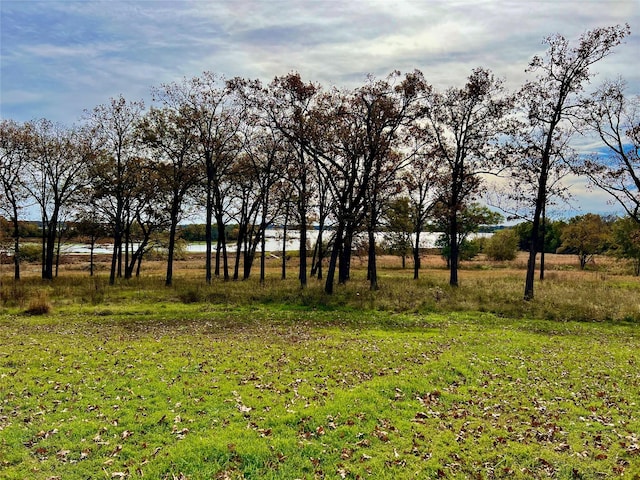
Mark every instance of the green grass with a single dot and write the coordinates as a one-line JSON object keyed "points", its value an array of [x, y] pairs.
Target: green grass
{"points": [[236, 380]]}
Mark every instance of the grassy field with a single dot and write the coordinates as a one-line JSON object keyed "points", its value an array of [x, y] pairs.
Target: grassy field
{"points": [[238, 380]]}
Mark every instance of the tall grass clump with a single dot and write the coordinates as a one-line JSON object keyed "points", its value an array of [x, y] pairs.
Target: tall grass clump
{"points": [[13, 294], [39, 305]]}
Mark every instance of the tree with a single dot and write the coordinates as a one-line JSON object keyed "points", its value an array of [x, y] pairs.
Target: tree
{"points": [[358, 156], [211, 105], [552, 233], [14, 148], [169, 135], [287, 105], [616, 119], [585, 236], [115, 175], [421, 180], [517, 195], [469, 221], [89, 229], [626, 241], [385, 107], [465, 126], [551, 103], [56, 178], [265, 161], [146, 215], [502, 245], [340, 163], [399, 227]]}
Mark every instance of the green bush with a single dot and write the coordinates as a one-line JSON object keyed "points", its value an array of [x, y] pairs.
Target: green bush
{"points": [[502, 245], [30, 252]]}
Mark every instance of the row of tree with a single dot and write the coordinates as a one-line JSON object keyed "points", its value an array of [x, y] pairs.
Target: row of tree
{"points": [[291, 152]]}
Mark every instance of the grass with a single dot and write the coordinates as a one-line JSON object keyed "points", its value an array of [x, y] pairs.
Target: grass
{"points": [[238, 380]]}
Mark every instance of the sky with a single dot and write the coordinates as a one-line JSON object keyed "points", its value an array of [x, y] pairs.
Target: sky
{"points": [[61, 57]]}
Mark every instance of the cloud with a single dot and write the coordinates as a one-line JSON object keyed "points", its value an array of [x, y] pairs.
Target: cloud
{"points": [[54, 48], [60, 57]]}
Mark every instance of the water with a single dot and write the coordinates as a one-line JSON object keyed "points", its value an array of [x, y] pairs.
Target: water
{"points": [[273, 243]]}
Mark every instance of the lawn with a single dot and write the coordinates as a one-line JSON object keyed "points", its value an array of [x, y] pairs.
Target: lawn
{"points": [[241, 381]]}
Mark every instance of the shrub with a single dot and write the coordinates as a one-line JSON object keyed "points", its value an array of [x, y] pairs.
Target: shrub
{"points": [[468, 248], [502, 245], [30, 252]]}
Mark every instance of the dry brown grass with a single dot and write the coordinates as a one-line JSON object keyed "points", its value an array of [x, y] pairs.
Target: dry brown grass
{"points": [[605, 291]]}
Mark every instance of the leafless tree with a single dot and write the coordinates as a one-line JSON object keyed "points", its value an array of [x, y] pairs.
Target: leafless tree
{"points": [[56, 177], [552, 102], [616, 119], [115, 174], [14, 149], [287, 107]]}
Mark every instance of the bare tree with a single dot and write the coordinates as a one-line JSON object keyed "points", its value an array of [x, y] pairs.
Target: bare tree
{"points": [[552, 102], [516, 194], [265, 159], [420, 181], [616, 119], [357, 154], [115, 174], [57, 176], [145, 217], [340, 159], [386, 106], [14, 148]]}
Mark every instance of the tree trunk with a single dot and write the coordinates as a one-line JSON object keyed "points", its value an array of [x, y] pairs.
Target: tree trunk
{"points": [[303, 249], [333, 260], [117, 240], [543, 233], [263, 253], [416, 256], [172, 242], [49, 247], [209, 215], [91, 248], [284, 243], [222, 240], [535, 231], [139, 265], [318, 264], [236, 267], [16, 245], [44, 247], [127, 242], [58, 244], [454, 249], [344, 265], [371, 262]]}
